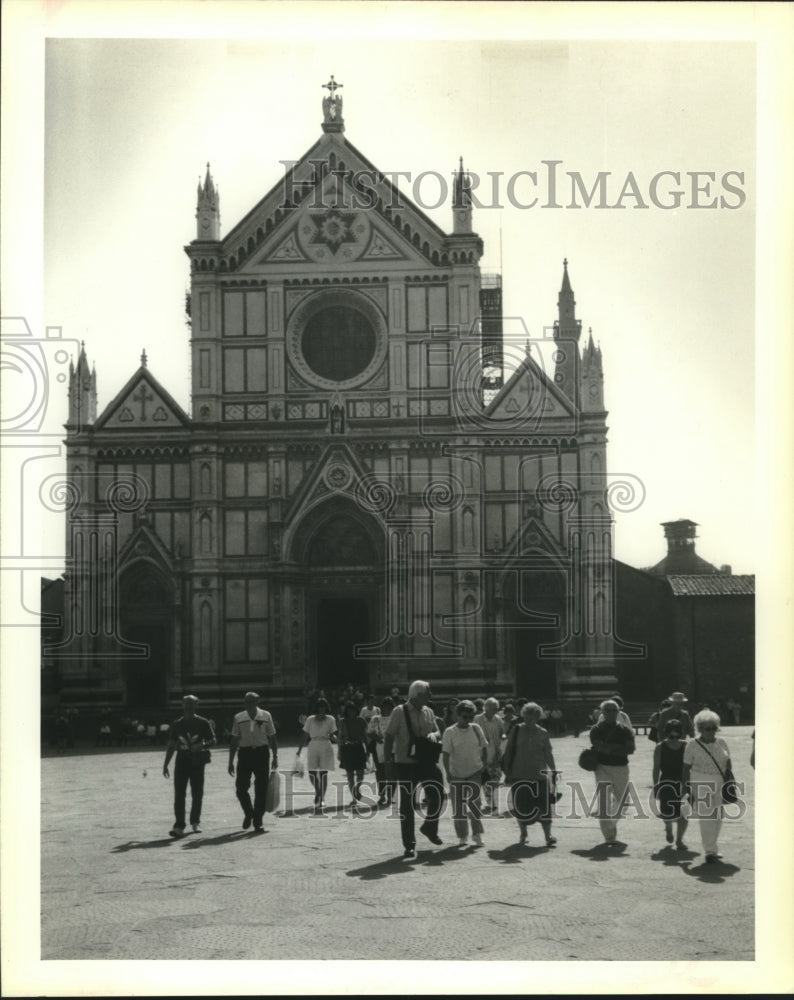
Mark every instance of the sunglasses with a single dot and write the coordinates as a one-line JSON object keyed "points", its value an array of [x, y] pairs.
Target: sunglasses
{"points": [[708, 729]]}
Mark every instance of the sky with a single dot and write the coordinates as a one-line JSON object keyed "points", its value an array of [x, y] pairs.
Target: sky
{"points": [[668, 293]]}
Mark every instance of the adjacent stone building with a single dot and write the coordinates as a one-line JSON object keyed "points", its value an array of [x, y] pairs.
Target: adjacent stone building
{"points": [[697, 624], [357, 492]]}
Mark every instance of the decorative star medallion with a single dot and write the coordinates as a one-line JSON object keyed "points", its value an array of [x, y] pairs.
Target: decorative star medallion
{"points": [[333, 228]]}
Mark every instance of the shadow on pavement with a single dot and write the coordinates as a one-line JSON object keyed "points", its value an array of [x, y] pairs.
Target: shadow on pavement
{"points": [[672, 857], [396, 866], [711, 873], [515, 853], [139, 845], [603, 852], [224, 838]]}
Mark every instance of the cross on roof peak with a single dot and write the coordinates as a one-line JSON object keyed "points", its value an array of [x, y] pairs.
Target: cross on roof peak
{"points": [[332, 86]]}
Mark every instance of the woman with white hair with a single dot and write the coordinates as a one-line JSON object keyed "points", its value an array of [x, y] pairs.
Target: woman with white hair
{"points": [[463, 752], [529, 768], [613, 743], [706, 761], [493, 730]]}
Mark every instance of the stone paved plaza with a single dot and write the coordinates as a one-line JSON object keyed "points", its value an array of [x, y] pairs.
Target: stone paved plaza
{"points": [[114, 885]]}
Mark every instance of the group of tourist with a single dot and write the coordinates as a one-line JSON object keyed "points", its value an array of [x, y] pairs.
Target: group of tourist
{"points": [[479, 745]]}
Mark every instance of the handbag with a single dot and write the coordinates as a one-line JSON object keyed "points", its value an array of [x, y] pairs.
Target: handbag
{"points": [[588, 759], [730, 792], [273, 795], [202, 756], [421, 749]]}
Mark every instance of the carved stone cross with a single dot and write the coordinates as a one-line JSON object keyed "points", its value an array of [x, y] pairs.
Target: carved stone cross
{"points": [[143, 397]]}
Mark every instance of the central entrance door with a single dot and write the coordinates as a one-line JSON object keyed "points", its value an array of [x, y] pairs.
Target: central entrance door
{"points": [[341, 624]]}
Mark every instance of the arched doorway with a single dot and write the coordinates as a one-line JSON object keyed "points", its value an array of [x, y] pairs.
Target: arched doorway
{"points": [[146, 615], [340, 548], [535, 613]]}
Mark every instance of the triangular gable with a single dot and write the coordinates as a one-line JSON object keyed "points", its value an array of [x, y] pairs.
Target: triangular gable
{"points": [[143, 404], [145, 543], [331, 236], [337, 472], [529, 395], [269, 232]]}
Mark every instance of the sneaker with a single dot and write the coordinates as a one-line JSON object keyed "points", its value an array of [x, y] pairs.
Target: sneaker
{"points": [[258, 828], [247, 822], [551, 841], [463, 842], [195, 827], [177, 831], [477, 838], [669, 835], [409, 852], [681, 845]]}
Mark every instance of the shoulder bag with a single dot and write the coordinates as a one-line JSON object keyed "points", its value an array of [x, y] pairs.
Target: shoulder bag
{"points": [[730, 792], [420, 748]]}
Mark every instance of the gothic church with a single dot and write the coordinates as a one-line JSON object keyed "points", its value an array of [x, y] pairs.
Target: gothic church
{"points": [[358, 493]]}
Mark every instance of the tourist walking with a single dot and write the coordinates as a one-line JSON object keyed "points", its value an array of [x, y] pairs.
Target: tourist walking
{"points": [[353, 748], [529, 768], [668, 763], [190, 737], [676, 710], [613, 743], [377, 727], [411, 729], [706, 761], [369, 712], [493, 730], [253, 739], [319, 735], [464, 748]]}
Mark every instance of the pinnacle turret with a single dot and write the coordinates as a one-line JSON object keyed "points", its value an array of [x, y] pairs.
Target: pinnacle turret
{"points": [[82, 392], [208, 209], [461, 201]]}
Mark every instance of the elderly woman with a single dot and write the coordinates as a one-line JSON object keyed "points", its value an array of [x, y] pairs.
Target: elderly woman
{"points": [[706, 760], [529, 768], [463, 751], [319, 735], [493, 728], [613, 743], [668, 763]]}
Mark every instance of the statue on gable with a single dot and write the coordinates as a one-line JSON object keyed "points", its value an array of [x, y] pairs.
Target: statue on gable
{"points": [[332, 102]]}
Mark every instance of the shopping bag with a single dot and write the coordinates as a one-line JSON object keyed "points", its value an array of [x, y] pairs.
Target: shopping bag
{"points": [[299, 766], [273, 797]]}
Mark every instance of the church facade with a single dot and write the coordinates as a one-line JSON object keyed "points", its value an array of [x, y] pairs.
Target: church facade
{"points": [[357, 494]]}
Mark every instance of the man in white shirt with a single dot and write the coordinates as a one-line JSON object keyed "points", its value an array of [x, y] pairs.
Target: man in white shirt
{"points": [[399, 743], [254, 734]]}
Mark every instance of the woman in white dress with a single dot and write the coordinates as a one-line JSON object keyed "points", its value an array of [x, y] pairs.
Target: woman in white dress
{"points": [[706, 759], [320, 735]]}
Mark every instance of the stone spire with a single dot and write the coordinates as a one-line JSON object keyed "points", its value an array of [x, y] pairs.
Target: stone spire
{"points": [[208, 213], [592, 377], [82, 393], [461, 201], [567, 331]]}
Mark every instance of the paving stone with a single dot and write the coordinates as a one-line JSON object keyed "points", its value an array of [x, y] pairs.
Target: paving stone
{"points": [[116, 886]]}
